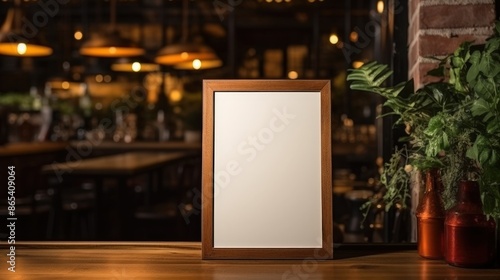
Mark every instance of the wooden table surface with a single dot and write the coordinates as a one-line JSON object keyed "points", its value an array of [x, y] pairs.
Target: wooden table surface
{"points": [[182, 260], [24, 148], [121, 164], [144, 145]]}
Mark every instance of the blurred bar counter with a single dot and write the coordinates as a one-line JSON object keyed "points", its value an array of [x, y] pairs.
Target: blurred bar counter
{"points": [[109, 146], [33, 148], [26, 148]]}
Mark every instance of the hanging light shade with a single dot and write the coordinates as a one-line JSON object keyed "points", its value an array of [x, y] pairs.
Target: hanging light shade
{"points": [[67, 80], [199, 64], [126, 64], [110, 43], [185, 54], [12, 40]]}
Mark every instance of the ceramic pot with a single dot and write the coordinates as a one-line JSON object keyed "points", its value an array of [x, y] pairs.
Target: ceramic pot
{"points": [[469, 234], [430, 219]]}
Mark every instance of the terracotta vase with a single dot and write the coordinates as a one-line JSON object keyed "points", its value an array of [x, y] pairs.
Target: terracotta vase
{"points": [[430, 219], [469, 234]]}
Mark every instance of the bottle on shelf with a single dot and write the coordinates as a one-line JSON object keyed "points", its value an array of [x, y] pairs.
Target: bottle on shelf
{"points": [[46, 113], [36, 103], [85, 108]]}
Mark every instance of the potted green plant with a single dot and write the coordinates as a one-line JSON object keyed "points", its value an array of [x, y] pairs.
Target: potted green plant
{"points": [[453, 125]]}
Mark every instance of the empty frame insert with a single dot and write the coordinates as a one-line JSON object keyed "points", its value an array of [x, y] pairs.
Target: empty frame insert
{"points": [[266, 181]]}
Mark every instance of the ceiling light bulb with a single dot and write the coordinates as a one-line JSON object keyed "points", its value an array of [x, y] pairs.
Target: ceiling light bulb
{"points": [[196, 64], [175, 96], [65, 85], [78, 35], [380, 6], [136, 66], [353, 36], [21, 48], [334, 39]]}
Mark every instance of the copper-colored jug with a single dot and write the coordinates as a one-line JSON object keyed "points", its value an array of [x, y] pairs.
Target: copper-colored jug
{"points": [[469, 234], [430, 219]]}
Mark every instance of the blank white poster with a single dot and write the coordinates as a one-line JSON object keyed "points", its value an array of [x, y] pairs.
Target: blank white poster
{"points": [[267, 170]]}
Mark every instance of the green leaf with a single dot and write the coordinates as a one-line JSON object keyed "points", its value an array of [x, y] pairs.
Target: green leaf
{"points": [[488, 64], [445, 141], [480, 107], [492, 45], [432, 149], [474, 68], [473, 153], [483, 156], [435, 126], [497, 28], [493, 127], [494, 157]]}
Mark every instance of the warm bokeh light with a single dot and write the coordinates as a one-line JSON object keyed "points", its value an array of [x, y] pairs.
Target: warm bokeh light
{"points": [[184, 55], [99, 78], [196, 64], [112, 50], [356, 64], [78, 35], [65, 85], [380, 6], [334, 39], [293, 75], [353, 36], [21, 48], [136, 66], [24, 49], [175, 96]]}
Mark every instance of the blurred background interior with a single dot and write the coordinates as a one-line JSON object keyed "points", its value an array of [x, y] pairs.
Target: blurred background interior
{"points": [[111, 90]]}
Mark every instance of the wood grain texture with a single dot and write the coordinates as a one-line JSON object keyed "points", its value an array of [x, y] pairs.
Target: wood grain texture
{"points": [[326, 170], [207, 175], [148, 260]]}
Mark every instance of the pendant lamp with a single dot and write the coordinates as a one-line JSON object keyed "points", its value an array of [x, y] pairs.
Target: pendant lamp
{"points": [[185, 55], [127, 64], [109, 43], [15, 42]]}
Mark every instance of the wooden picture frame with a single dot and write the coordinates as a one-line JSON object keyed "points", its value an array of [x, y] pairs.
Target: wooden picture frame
{"points": [[266, 169]]}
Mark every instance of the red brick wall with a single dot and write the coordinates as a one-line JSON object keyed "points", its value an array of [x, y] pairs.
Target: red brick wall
{"points": [[437, 27]]}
